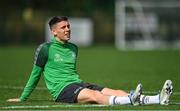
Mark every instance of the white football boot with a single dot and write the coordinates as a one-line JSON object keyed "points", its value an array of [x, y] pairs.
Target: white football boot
{"points": [[166, 92], [135, 95]]}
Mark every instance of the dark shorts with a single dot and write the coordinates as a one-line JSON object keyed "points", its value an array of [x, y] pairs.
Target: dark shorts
{"points": [[70, 92]]}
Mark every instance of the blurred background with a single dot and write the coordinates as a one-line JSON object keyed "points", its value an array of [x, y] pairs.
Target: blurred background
{"points": [[121, 43], [126, 24], [23, 21]]}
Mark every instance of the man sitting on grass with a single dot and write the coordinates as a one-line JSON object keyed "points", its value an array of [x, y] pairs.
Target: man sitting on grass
{"points": [[57, 61]]}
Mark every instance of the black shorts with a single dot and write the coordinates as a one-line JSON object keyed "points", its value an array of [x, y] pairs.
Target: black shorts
{"points": [[70, 92]]}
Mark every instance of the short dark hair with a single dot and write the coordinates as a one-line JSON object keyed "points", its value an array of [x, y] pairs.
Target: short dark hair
{"points": [[56, 19]]}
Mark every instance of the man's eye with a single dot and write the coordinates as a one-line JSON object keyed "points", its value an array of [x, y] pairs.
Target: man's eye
{"points": [[63, 27]]}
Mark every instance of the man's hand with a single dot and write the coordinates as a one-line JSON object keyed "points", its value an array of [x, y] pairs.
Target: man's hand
{"points": [[14, 100]]}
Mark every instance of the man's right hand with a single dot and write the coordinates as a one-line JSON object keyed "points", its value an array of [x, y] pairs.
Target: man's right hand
{"points": [[14, 100]]}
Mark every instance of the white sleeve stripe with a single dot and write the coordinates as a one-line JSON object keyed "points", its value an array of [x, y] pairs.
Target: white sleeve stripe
{"points": [[37, 53]]}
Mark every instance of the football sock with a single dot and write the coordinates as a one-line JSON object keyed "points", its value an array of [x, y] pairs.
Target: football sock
{"points": [[119, 100], [149, 99]]}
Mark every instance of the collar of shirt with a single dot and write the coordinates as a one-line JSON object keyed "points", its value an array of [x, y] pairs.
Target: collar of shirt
{"points": [[54, 39]]}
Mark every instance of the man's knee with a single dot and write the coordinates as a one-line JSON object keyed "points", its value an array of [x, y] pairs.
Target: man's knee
{"points": [[97, 96], [108, 91]]}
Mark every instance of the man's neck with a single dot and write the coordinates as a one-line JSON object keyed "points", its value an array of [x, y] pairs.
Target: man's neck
{"points": [[60, 40]]}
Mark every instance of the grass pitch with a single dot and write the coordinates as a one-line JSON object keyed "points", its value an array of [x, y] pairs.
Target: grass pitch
{"points": [[103, 65]]}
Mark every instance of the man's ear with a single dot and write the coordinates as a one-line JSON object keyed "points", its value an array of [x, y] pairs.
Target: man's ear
{"points": [[53, 32]]}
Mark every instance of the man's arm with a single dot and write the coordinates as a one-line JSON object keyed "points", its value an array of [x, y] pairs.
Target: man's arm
{"points": [[38, 67], [30, 86], [32, 82]]}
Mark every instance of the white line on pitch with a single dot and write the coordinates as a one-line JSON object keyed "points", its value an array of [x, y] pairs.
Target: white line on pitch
{"points": [[20, 87], [64, 106], [52, 106]]}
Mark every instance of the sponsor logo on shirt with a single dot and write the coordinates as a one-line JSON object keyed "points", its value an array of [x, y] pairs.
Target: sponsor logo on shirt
{"points": [[57, 58]]}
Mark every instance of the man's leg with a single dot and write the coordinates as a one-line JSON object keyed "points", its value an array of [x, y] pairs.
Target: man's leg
{"points": [[162, 98], [91, 96]]}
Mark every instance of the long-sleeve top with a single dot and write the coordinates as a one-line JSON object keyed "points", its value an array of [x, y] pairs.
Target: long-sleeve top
{"points": [[57, 61]]}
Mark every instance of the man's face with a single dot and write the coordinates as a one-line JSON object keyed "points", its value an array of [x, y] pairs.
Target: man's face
{"points": [[61, 30]]}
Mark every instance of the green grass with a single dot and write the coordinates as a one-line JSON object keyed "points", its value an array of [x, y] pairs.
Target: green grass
{"points": [[103, 65]]}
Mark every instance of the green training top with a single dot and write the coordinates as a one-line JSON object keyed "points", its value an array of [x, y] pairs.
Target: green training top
{"points": [[57, 61]]}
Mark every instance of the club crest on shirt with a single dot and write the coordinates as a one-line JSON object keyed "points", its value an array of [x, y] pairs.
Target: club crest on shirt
{"points": [[73, 54], [57, 58]]}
